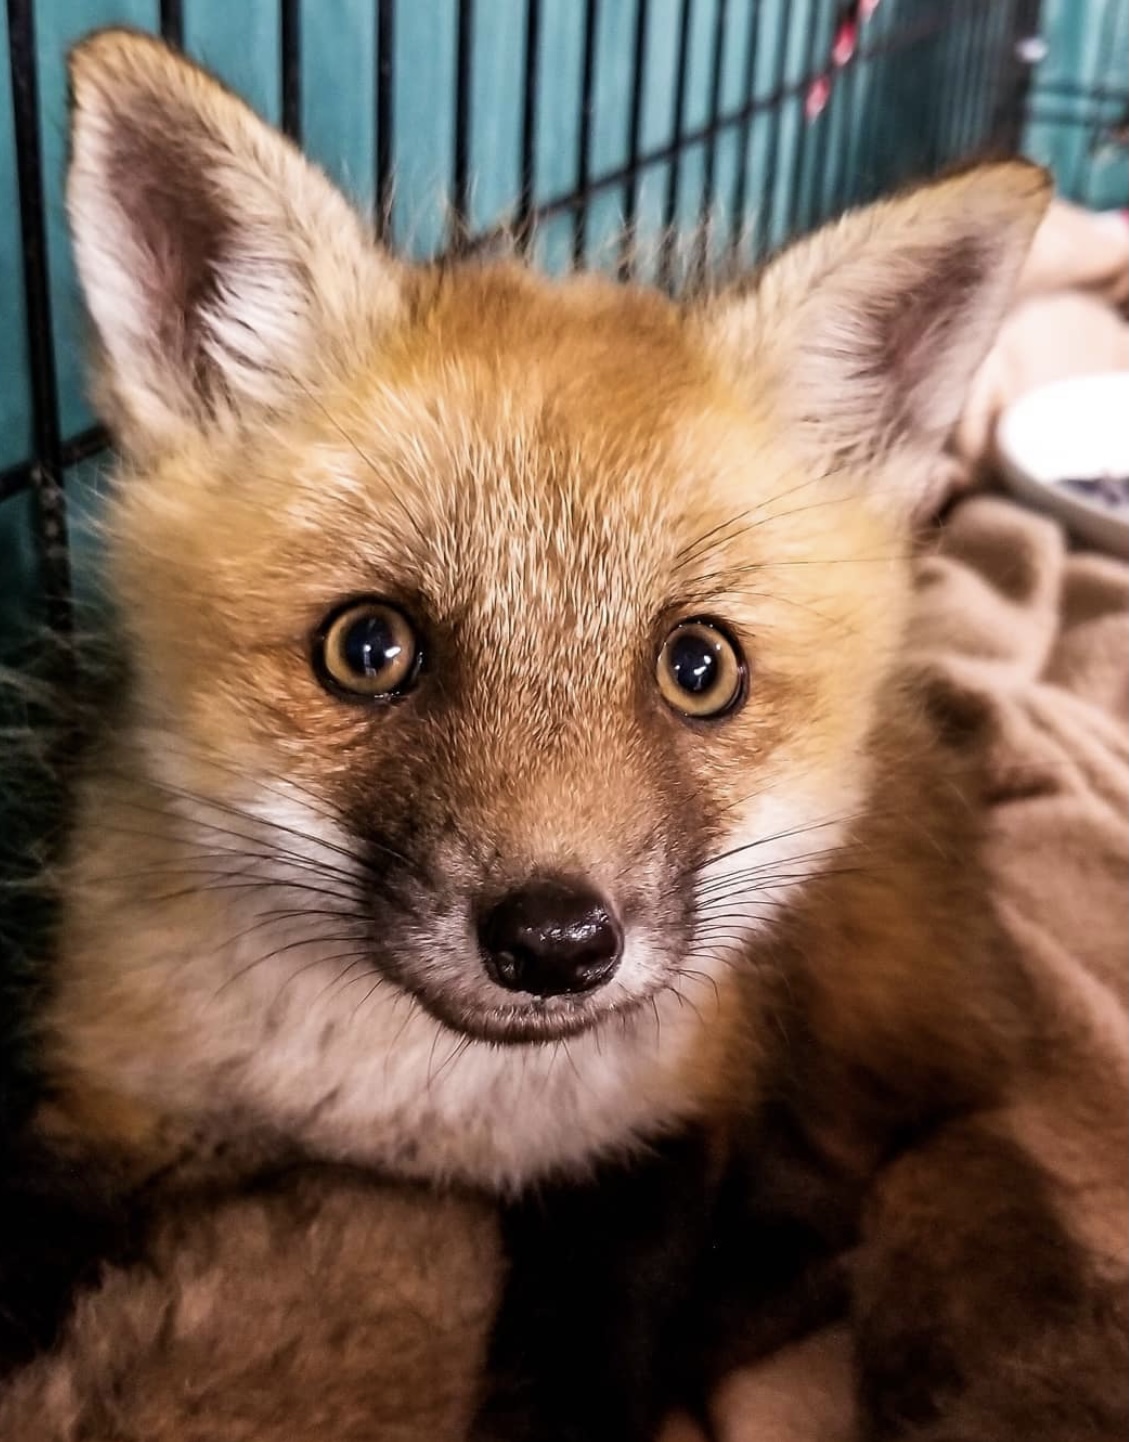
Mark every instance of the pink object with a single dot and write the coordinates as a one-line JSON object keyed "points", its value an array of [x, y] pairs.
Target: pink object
{"points": [[845, 43], [819, 93], [844, 47]]}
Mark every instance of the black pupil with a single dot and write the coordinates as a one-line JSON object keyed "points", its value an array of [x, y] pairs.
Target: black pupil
{"points": [[371, 645], [693, 663]]}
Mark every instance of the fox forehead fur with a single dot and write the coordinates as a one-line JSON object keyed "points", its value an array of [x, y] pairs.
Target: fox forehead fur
{"points": [[270, 897]]}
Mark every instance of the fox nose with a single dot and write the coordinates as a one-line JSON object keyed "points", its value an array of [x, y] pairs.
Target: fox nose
{"points": [[550, 938]]}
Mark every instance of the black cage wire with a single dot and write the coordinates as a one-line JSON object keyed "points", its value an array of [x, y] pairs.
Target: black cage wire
{"points": [[944, 79]]}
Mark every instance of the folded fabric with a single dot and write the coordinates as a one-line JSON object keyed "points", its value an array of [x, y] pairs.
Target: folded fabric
{"points": [[1067, 319], [1027, 645]]}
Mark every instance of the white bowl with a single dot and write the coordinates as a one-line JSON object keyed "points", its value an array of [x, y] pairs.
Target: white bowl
{"points": [[1075, 429]]}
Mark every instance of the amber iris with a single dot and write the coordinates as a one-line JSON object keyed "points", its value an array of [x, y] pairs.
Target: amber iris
{"points": [[701, 673], [367, 649]]}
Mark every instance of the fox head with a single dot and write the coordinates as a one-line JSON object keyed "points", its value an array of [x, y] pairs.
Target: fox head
{"points": [[504, 651]]}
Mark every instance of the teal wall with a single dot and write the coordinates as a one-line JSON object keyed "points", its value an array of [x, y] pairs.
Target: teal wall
{"points": [[1079, 107]]}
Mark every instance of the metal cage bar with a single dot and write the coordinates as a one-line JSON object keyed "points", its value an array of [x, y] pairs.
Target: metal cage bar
{"points": [[524, 214], [681, 140], [584, 128], [463, 118], [385, 90], [290, 66], [172, 21], [634, 137], [45, 470]]}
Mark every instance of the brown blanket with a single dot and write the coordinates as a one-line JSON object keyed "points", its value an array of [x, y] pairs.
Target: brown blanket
{"points": [[1027, 645]]}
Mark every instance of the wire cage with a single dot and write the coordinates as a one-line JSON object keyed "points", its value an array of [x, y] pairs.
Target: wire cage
{"points": [[593, 130], [1077, 117]]}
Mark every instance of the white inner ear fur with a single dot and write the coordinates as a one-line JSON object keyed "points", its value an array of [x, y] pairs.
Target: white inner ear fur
{"points": [[866, 335], [251, 275]]}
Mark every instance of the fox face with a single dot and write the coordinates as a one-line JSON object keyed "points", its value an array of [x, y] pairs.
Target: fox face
{"points": [[505, 653]]}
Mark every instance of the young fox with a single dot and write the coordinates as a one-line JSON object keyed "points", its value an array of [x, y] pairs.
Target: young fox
{"points": [[517, 785]]}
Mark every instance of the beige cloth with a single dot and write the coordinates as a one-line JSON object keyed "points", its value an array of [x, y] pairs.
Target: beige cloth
{"points": [[1076, 248], [1068, 319], [1032, 641]]}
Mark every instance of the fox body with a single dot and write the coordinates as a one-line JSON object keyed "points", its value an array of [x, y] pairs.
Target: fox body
{"points": [[516, 766]]}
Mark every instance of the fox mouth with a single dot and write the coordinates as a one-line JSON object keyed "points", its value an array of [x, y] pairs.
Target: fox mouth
{"points": [[480, 1011], [538, 1020]]}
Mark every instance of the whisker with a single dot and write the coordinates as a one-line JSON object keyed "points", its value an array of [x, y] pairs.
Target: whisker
{"points": [[696, 547], [217, 879], [361, 958], [719, 534], [787, 834], [298, 858], [243, 813], [563, 1044], [373, 989], [459, 1050], [781, 873], [703, 977], [316, 803], [274, 954]]}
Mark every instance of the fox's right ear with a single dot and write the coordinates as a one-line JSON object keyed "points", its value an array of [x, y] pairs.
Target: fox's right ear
{"points": [[222, 271]]}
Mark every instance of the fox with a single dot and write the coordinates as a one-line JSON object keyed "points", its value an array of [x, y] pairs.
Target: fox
{"points": [[515, 783]]}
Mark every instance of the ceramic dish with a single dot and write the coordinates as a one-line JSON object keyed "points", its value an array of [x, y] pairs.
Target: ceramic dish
{"points": [[1065, 448]]}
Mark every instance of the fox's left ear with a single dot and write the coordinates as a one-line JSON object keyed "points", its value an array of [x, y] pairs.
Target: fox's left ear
{"points": [[864, 337]]}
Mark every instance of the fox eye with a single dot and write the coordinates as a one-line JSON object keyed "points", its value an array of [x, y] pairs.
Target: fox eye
{"points": [[367, 649], [701, 672]]}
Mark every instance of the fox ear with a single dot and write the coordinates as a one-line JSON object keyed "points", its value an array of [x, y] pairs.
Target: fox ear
{"points": [[222, 271], [864, 338]]}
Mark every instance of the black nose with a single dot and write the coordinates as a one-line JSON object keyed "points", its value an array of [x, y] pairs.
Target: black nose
{"points": [[550, 938]]}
